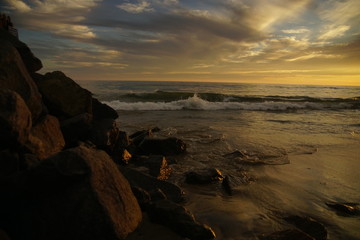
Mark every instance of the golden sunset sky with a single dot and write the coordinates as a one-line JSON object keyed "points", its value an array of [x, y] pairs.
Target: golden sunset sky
{"points": [[269, 41]]}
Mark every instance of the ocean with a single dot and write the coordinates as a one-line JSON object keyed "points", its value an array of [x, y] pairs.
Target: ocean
{"points": [[301, 145]]}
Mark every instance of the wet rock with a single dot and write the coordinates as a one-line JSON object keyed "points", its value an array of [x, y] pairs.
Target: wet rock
{"points": [[162, 146], [104, 134], [31, 62], [46, 137], [347, 208], [14, 76], [179, 219], [309, 226], [290, 234], [63, 97], [119, 153], [76, 194], [203, 176], [227, 185], [15, 120], [76, 129], [149, 183], [157, 165], [101, 110], [138, 137]]}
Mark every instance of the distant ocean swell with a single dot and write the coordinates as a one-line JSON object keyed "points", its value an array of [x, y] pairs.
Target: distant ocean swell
{"points": [[174, 101]]}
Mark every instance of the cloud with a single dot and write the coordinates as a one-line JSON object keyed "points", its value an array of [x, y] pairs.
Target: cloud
{"points": [[142, 6], [296, 31], [334, 32], [18, 5], [340, 12]]}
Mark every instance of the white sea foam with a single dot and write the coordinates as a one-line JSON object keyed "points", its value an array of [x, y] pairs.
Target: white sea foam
{"points": [[196, 103]]}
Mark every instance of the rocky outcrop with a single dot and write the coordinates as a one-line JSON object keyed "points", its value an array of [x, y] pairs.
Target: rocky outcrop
{"points": [[180, 220], [101, 110], [76, 194], [14, 76], [63, 97], [157, 165], [204, 176], [46, 138], [15, 120], [162, 146], [31, 62]]}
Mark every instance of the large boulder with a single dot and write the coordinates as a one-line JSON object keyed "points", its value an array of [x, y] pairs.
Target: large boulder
{"points": [[46, 138], [76, 128], [15, 76], [63, 96], [179, 219], [162, 146], [101, 110], [15, 120], [76, 194], [104, 134], [31, 62]]}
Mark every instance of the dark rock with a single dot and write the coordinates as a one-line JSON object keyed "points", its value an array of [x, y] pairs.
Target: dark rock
{"points": [[76, 129], [14, 76], [179, 219], [3, 235], [101, 110], [63, 97], [119, 151], [15, 120], [347, 208], [203, 176], [76, 194], [290, 234], [142, 196], [138, 137], [157, 165], [46, 138], [9, 163], [227, 186], [31, 62], [309, 226], [149, 183], [162, 146], [104, 134]]}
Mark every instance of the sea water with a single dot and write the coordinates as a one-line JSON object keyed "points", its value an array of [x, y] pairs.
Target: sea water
{"points": [[302, 143]]}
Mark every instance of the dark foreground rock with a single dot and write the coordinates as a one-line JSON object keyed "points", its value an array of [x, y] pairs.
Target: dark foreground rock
{"points": [[15, 120], [14, 76], [204, 176], [179, 219], [157, 165], [76, 194], [308, 225], [162, 146], [345, 208], [151, 184]]}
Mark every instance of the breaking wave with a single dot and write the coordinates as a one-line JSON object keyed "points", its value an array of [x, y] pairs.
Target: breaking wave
{"points": [[167, 101]]}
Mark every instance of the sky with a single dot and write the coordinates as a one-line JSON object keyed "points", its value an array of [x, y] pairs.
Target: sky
{"points": [[268, 41]]}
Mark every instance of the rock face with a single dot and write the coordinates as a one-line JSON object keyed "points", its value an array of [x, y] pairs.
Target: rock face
{"points": [[15, 120], [101, 110], [76, 194], [160, 146], [63, 97], [179, 220], [14, 76], [204, 176], [31, 62], [308, 226], [46, 138]]}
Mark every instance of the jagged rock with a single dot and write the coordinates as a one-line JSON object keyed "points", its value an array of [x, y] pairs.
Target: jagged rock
{"points": [[227, 185], [119, 152], [14, 76], [31, 62], [101, 110], [63, 96], [76, 128], [9, 163], [149, 183], [290, 234], [179, 219], [104, 134], [309, 226], [347, 208], [162, 146], [157, 165], [46, 138], [138, 137], [76, 194], [15, 120], [204, 176]]}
